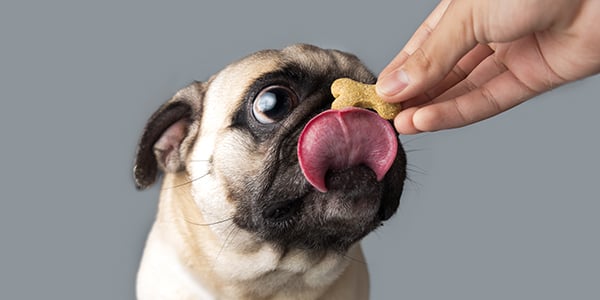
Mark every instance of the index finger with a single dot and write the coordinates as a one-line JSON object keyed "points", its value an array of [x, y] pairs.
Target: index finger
{"points": [[452, 38], [418, 38]]}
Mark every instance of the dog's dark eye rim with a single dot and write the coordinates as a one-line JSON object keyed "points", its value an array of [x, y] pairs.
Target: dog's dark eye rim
{"points": [[273, 103]]}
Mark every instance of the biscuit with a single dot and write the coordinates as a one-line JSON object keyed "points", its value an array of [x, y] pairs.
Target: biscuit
{"points": [[348, 92]]}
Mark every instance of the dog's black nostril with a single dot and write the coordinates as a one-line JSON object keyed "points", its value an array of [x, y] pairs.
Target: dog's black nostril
{"points": [[282, 210]]}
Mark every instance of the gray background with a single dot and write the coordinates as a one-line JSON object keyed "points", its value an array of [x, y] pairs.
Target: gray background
{"points": [[504, 209]]}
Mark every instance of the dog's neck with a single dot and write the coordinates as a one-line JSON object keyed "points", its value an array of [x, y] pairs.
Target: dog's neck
{"points": [[215, 259]]}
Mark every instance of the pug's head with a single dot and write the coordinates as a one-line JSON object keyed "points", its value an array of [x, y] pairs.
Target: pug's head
{"points": [[235, 138]]}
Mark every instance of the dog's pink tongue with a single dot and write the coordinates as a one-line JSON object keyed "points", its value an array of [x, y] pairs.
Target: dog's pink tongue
{"points": [[340, 139]]}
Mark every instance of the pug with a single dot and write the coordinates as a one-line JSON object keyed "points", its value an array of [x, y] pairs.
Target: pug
{"points": [[266, 192]]}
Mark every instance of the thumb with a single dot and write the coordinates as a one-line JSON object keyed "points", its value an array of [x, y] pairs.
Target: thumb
{"points": [[448, 42]]}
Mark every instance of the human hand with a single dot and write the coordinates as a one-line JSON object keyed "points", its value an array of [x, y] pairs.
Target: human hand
{"points": [[473, 59]]}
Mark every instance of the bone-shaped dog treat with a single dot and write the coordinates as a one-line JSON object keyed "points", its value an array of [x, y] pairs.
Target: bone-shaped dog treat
{"points": [[348, 92]]}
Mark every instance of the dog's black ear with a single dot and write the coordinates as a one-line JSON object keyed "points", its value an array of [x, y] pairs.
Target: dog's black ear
{"points": [[168, 135]]}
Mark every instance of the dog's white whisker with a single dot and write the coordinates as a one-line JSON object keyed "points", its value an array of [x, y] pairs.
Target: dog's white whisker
{"points": [[407, 151], [209, 224], [224, 245], [185, 183], [416, 169], [354, 260]]}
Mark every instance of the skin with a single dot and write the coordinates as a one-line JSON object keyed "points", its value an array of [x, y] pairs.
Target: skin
{"points": [[473, 59]]}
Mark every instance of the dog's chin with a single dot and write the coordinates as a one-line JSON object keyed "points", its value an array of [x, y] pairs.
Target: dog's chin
{"points": [[352, 195]]}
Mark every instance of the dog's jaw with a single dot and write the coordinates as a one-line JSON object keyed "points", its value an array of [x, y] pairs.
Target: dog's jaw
{"points": [[200, 262]]}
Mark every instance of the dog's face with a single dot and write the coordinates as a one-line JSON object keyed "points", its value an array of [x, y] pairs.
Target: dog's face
{"points": [[235, 139]]}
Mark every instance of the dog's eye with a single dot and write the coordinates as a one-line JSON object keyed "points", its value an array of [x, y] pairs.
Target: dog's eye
{"points": [[273, 104]]}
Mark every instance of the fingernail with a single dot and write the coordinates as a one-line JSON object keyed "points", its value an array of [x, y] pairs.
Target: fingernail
{"points": [[393, 83]]}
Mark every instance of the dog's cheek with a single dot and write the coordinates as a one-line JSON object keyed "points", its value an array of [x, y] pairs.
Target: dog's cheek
{"points": [[238, 161]]}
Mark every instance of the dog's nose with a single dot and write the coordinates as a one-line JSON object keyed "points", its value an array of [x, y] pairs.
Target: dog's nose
{"points": [[340, 139]]}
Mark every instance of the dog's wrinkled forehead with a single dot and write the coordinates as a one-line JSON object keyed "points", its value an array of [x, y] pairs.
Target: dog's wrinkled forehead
{"points": [[224, 95], [321, 62]]}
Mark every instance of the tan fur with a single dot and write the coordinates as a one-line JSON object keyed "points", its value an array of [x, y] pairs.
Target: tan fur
{"points": [[195, 251], [184, 258]]}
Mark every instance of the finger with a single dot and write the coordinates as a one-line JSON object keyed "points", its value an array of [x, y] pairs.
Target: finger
{"points": [[497, 95], [463, 69], [403, 122], [449, 41], [430, 23], [420, 35], [489, 68], [483, 73]]}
